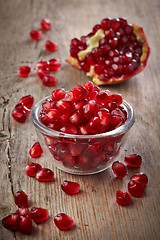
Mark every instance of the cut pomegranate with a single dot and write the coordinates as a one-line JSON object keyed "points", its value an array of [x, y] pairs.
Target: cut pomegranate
{"points": [[24, 71], [23, 211], [38, 215], [136, 189], [11, 222], [119, 169], [63, 221], [141, 178], [44, 175], [114, 51], [32, 168], [134, 160], [49, 81], [19, 116], [36, 150], [53, 64], [45, 24], [123, 198], [36, 35], [21, 199], [51, 46], [27, 101], [25, 225], [70, 187]]}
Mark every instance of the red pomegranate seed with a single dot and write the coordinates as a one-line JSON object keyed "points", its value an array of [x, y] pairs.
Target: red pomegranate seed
{"points": [[117, 98], [83, 130], [42, 64], [32, 168], [11, 222], [90, 109], [80, 92], [42, 72], [80, 103], [136, 189], [38, 215], [53, 64], [89, 86], [21, 199], [51, 46], [23, 211], [106, 23], [63, 221], [24, 71], [22, 107], [19, 116], [44, 175], [104, 116], [36, 150], [69, 128], [96, 27], [141, 178], [52, 115], [111, 106], [64, 106], [119, 169], [36, 34], [25, 225], [116, 121], [58, 94], [45, 24], [70, 187], [94, 125], [27, 101], [76, 118], [133, 160], [102, 97], [75, 149], [123, 198], [49, 81]]}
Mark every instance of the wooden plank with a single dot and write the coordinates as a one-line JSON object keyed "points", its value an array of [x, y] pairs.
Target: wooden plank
{"points": [[94, 210]]}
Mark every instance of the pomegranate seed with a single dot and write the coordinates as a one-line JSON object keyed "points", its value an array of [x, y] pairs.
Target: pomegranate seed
{"points": [[123, 198], [119, 169], [75, 149], [79, 104], [83, 130], [141, 178], [63, 221], [102, 97], [52, 115], [106, 23], [70, 129], [53, 64], [39, 215], [11, 222], [25, 225], [89, 86], [24, 71], [23, 211], [104, 116], [49, 81], [94, 125], [22, 107], [111, 106], [27, 101], [42, 72], [51, 46], [36, 150], [64, 106], [19, 116], [70, 187], [44, 175], [76, 118], [116, 121], [36, 35], [134, 160], [136, 189], [32, 168], [45, 24], [21, 199], [80, 92], [96, 27], [90, 109], [116, 98], [58, 94], [42, 64]]}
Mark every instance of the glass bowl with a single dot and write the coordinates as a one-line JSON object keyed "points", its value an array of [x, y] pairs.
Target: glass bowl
{"points": [[81, 154]]}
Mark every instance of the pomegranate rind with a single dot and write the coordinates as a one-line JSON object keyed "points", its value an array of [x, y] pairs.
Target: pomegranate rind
{"points": [[138, 31]]}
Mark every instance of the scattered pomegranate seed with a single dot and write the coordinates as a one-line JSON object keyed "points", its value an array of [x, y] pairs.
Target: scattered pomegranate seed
{"points": [[36, 34], [32, 168], [42, 64], [49, 81], [45, 24], [141, 178], [44, 175], [134, 160], [25, 225], [51, 46], [119, 169], [22, 107], [27, 101], [42, 72], [53, 64], [123, 198], [21, 199], [11, 222], [63, 221], [38, 215], [19, 116], [24, 71], [70, 187], [36, 150], [23, 211], [136, 189]]}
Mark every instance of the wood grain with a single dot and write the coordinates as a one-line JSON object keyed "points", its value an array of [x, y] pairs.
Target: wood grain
{"points": [[94, 210]]}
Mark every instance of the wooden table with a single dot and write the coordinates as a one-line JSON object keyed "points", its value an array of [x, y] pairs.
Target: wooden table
{"points": [[95, 212]]}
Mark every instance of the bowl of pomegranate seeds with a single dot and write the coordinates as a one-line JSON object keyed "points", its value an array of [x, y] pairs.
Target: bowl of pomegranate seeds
{"points": [[82, 130]]}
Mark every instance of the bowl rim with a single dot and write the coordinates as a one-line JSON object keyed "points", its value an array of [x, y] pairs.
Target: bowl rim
{"points": [[48, 131]]}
